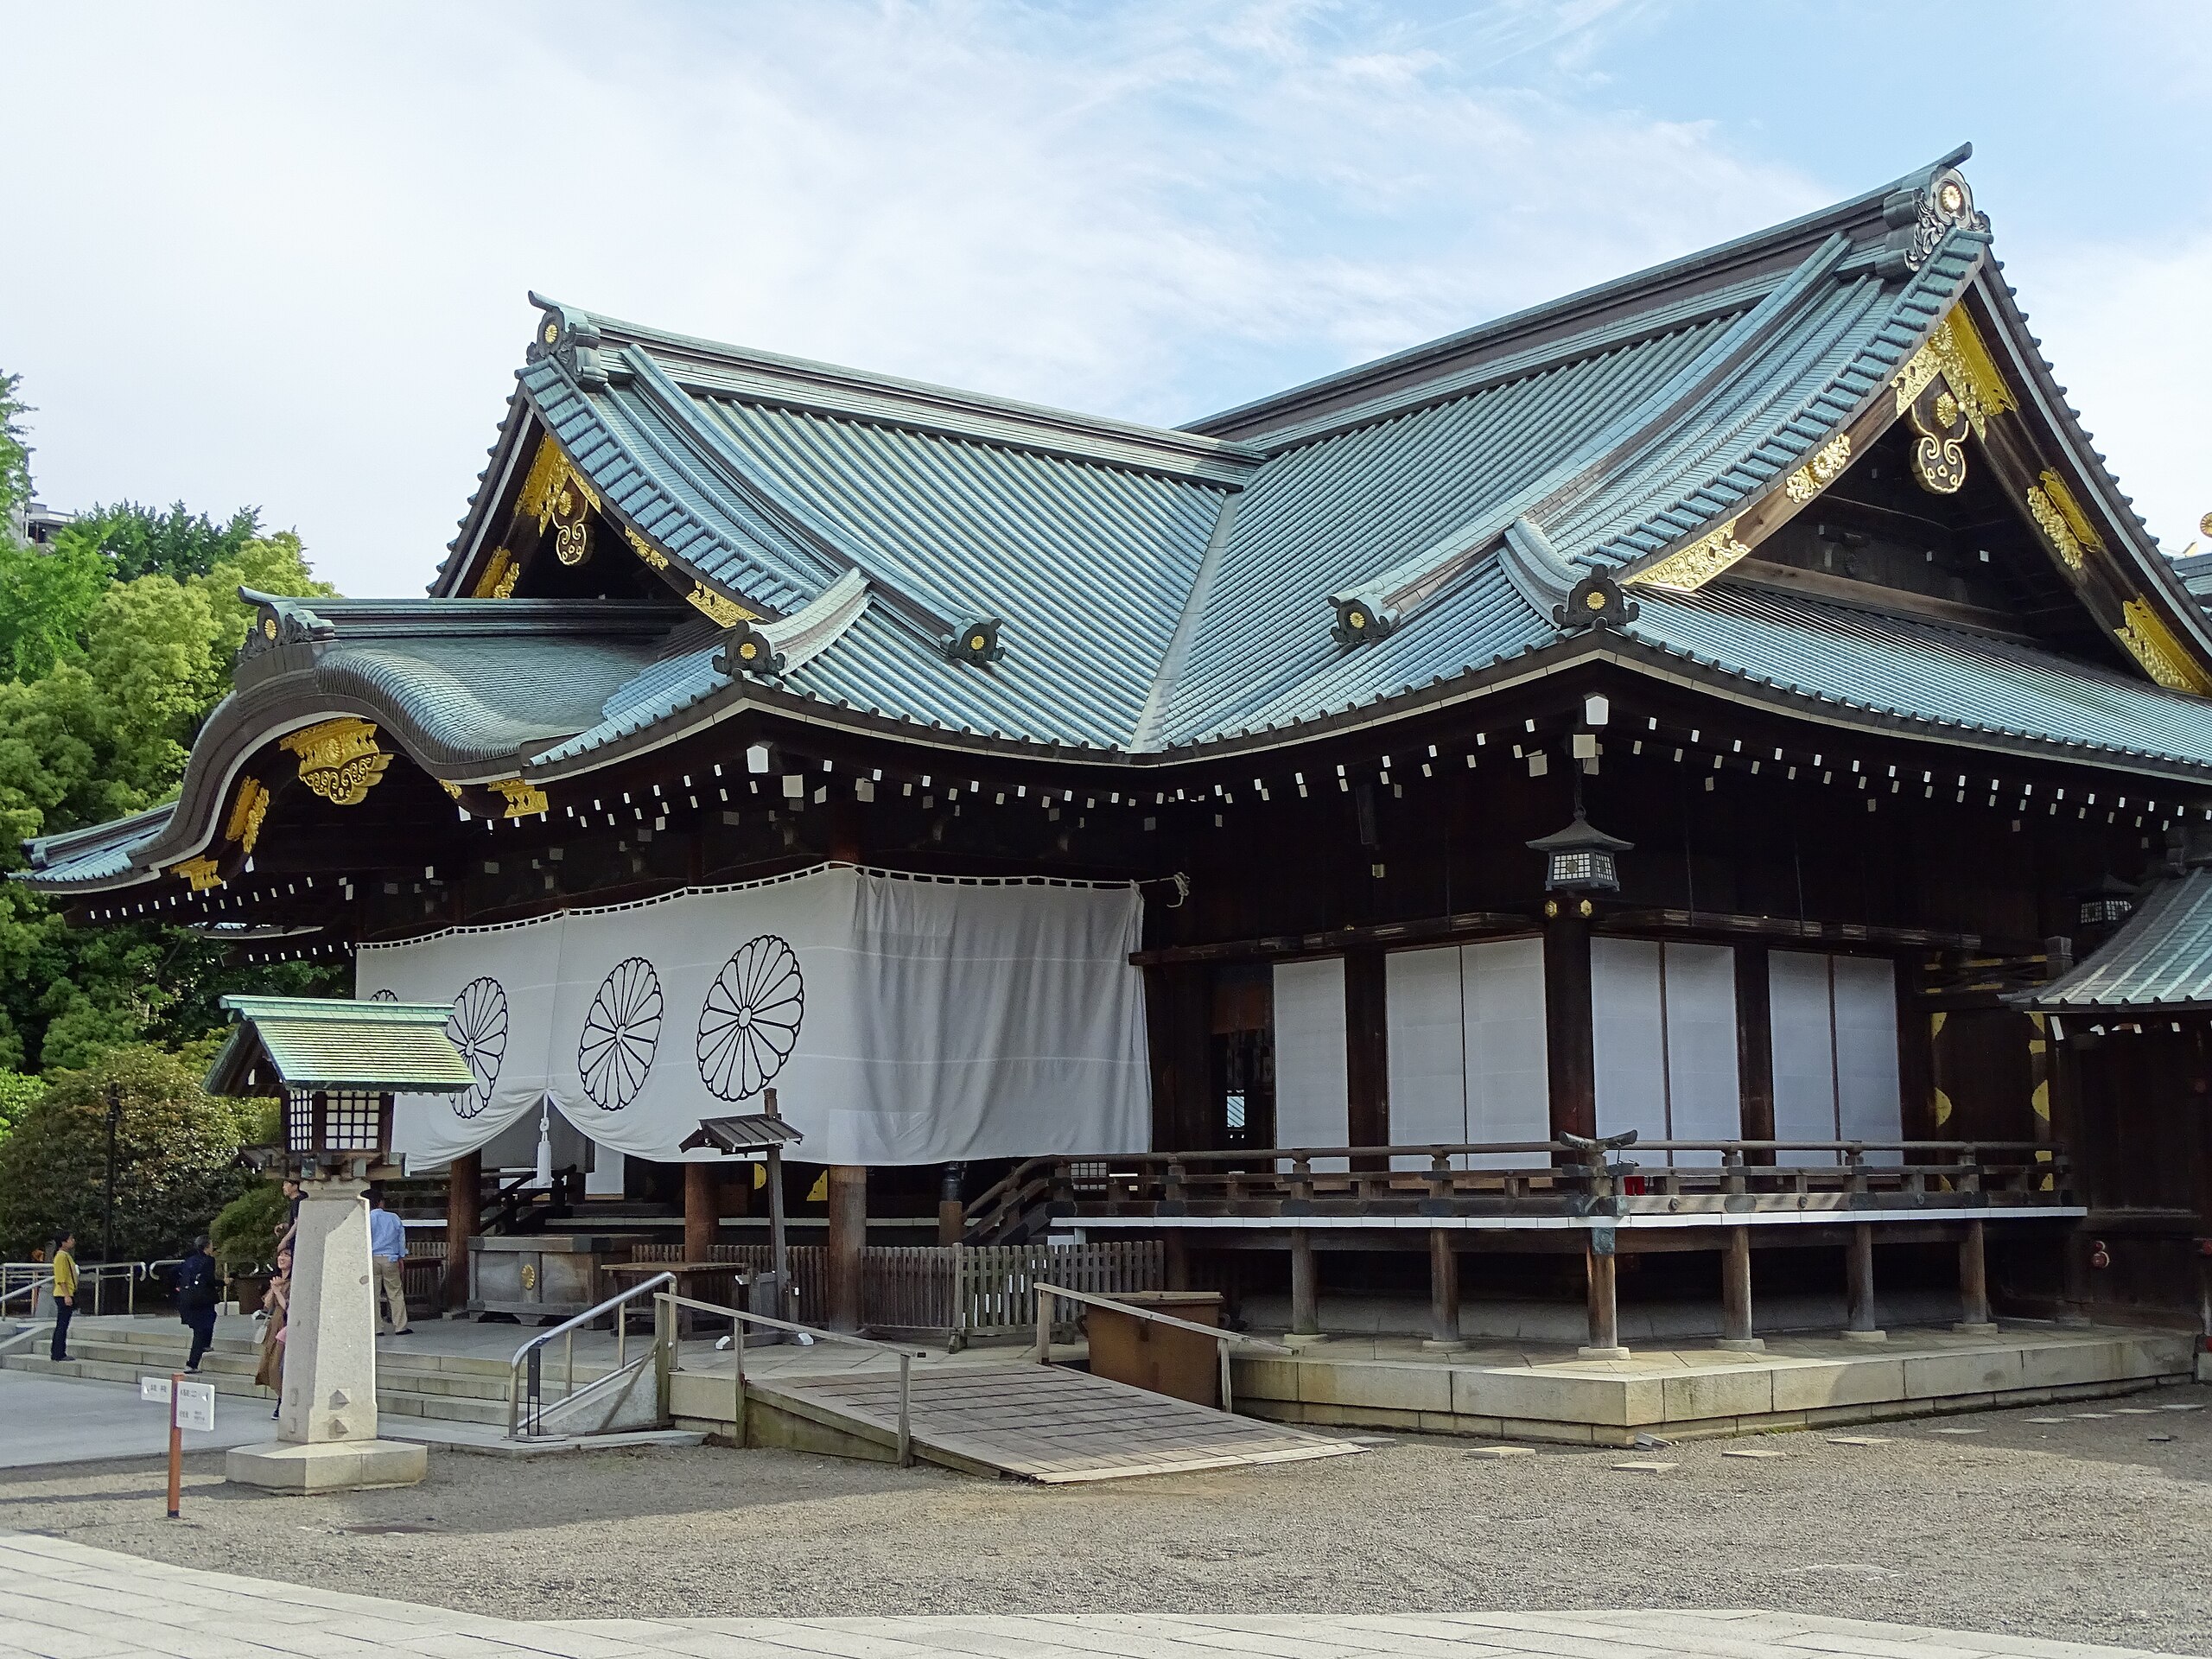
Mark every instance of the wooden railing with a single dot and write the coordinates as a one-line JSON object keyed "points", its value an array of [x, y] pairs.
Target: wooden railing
{"points": [[1532, 1177]]}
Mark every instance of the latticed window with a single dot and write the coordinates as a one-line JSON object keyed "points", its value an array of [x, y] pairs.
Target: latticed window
{"points": [[336, 1121]]}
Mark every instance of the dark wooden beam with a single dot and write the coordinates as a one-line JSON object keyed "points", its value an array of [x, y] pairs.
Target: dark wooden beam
{"points": [[1570, 1044], [1436, 929], [1367, 1049], [1755, 1045]]}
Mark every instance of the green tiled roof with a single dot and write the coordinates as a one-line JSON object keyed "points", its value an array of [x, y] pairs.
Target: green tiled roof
{"points": [[2160, 961], [305, 1042]]}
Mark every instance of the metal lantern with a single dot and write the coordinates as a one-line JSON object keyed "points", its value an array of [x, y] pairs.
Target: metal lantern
{"points": [[2106, 904], [1580, 858]]}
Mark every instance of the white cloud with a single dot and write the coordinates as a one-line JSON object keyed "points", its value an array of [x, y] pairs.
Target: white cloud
{"points": [[281, 256]]}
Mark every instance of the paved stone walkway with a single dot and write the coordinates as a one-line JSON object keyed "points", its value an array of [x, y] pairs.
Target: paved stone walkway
{"points": [[60, 1600]]}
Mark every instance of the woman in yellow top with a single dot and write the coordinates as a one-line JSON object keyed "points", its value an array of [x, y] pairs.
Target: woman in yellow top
{"points": [[65, 1291]]}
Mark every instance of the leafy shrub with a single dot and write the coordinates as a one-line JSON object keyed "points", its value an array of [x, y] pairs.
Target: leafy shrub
{"points": [[245, 1232], [175, 1166]]}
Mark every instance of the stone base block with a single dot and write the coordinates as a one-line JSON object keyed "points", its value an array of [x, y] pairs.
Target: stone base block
{"points": [[1436, 1346], [1975, 1328], [1603, 1353], [1302, 1339], [1742, 1344], [1864, 1336], [327, 1467]]}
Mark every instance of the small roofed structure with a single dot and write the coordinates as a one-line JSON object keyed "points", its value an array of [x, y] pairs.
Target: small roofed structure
{"points": [[337, 1066], [754, 1132], [2158, 962]]}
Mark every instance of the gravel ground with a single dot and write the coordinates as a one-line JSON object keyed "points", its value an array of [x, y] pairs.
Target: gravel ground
{"points": [[2086, 1531]]}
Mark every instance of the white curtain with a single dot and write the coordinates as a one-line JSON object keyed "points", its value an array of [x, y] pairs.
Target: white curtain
{"points": [[1429, 1049], [901, 1020], [1312, 1090]]}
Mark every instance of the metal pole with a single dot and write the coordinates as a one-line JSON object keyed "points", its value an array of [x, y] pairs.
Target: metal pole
{"points": [[1044, 1327], [1222, 1349], [107, 1221], [778, 1246]]}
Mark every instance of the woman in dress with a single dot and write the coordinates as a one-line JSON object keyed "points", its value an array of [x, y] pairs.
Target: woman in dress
{"points": [[277, 1305]]}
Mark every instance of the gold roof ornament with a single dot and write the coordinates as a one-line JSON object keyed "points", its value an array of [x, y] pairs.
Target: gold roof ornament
{"points": [[246, 814], [1689, 568], [1826, 467], [1968, 392], [523, 799], [2163, 657], [726, 611], [199, 872], [644, 549], [339, 759], [555, 494]]}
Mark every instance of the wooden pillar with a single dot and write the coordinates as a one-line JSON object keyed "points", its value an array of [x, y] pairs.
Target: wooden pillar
{"points": [[464, 1217], [1973, 1281], [951, 1214], [1176, 1254], [1736, 1294], [2066, 1119], [1859, 1285], [703, 1217], [848, 1236], [1443, 1292], [1367, 1054], [1754, 1048], [1305, 1287], [1570, 1046], [1917, 1028], [1178, 1018], [1601, 1265]]}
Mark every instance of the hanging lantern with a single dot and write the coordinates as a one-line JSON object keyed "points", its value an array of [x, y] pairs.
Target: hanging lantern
{"points": [[2105, 902], [1580, 858]]}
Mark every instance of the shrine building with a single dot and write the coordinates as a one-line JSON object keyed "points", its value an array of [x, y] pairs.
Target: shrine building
{"points": [[1707, 771]]}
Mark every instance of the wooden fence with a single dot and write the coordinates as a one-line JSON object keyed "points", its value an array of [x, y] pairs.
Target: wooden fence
{"points": [[959, 1292]]}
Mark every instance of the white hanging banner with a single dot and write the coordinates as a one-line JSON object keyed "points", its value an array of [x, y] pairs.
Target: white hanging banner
{"points": [[902, 1019]]}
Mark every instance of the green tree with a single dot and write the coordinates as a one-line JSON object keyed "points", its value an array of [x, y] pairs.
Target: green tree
{"points": [[115, 644], [176, 1156], [15, 453], [246, 1233], [18, 1094]]}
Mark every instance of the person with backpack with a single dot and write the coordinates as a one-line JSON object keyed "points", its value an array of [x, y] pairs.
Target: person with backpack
{"points": [[198, 1288]]}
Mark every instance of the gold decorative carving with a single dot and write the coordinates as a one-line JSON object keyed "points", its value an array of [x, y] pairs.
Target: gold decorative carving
{"points": [[1689, 568], [1970, 392], [499, 578], [339, 759], [200, 872], [523, 799], [2165, 659], [645, 549], [2060, 518], [246, 814], [450, 787], [556, 493], [726, 611], [1823, 469]]}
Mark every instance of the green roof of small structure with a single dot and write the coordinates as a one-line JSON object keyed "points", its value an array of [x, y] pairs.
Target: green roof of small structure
{"points": [[312, 1042], [2158, 962]]}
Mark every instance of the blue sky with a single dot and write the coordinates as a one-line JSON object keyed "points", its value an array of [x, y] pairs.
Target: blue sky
{"points": [[269, 254]]}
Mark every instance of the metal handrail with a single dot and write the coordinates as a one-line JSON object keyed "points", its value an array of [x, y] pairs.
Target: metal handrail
{"points": [[905, 1355], [1221, 1338], [530, 1352], [31, 1290]]}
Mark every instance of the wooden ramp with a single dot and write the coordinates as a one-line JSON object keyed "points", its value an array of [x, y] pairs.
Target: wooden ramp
{"points": [[1040, 1423]]}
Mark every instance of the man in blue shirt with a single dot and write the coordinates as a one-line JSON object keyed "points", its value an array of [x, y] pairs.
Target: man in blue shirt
{"points": [[388, 1250]]}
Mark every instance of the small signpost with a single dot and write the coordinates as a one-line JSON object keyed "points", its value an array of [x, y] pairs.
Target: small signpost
{"points": [[192, 1405]]}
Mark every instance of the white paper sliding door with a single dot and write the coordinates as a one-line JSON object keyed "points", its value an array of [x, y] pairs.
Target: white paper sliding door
{"points": [[1428, 1059], [1835, 1050], [1312, 1095], [1664, 1020], [1870, 1100], [1509, 1065], [1467, 1048]]}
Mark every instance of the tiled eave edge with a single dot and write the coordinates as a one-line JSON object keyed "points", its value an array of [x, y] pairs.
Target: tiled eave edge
{"points": [[1607, 647], [281, 708], [459, 569]]}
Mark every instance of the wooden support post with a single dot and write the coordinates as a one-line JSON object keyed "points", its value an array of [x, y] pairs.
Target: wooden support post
{"points": [[464, 1219], [703, 1217], [1736, 1294], [951, 1214], [1367, 1054], [1304, 1289], [1859, 1278], [1570, 1044], [1443, 1293], [1754, 1048], [1601, 1265], [1974, 1282], [1176, 1252], [848, 1236]]}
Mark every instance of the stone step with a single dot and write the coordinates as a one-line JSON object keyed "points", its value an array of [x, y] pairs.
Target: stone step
{"points": [[157, 1349], [400, 1402]]}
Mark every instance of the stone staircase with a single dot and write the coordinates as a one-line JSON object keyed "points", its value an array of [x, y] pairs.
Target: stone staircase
{"points": [[444, 1388]]}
